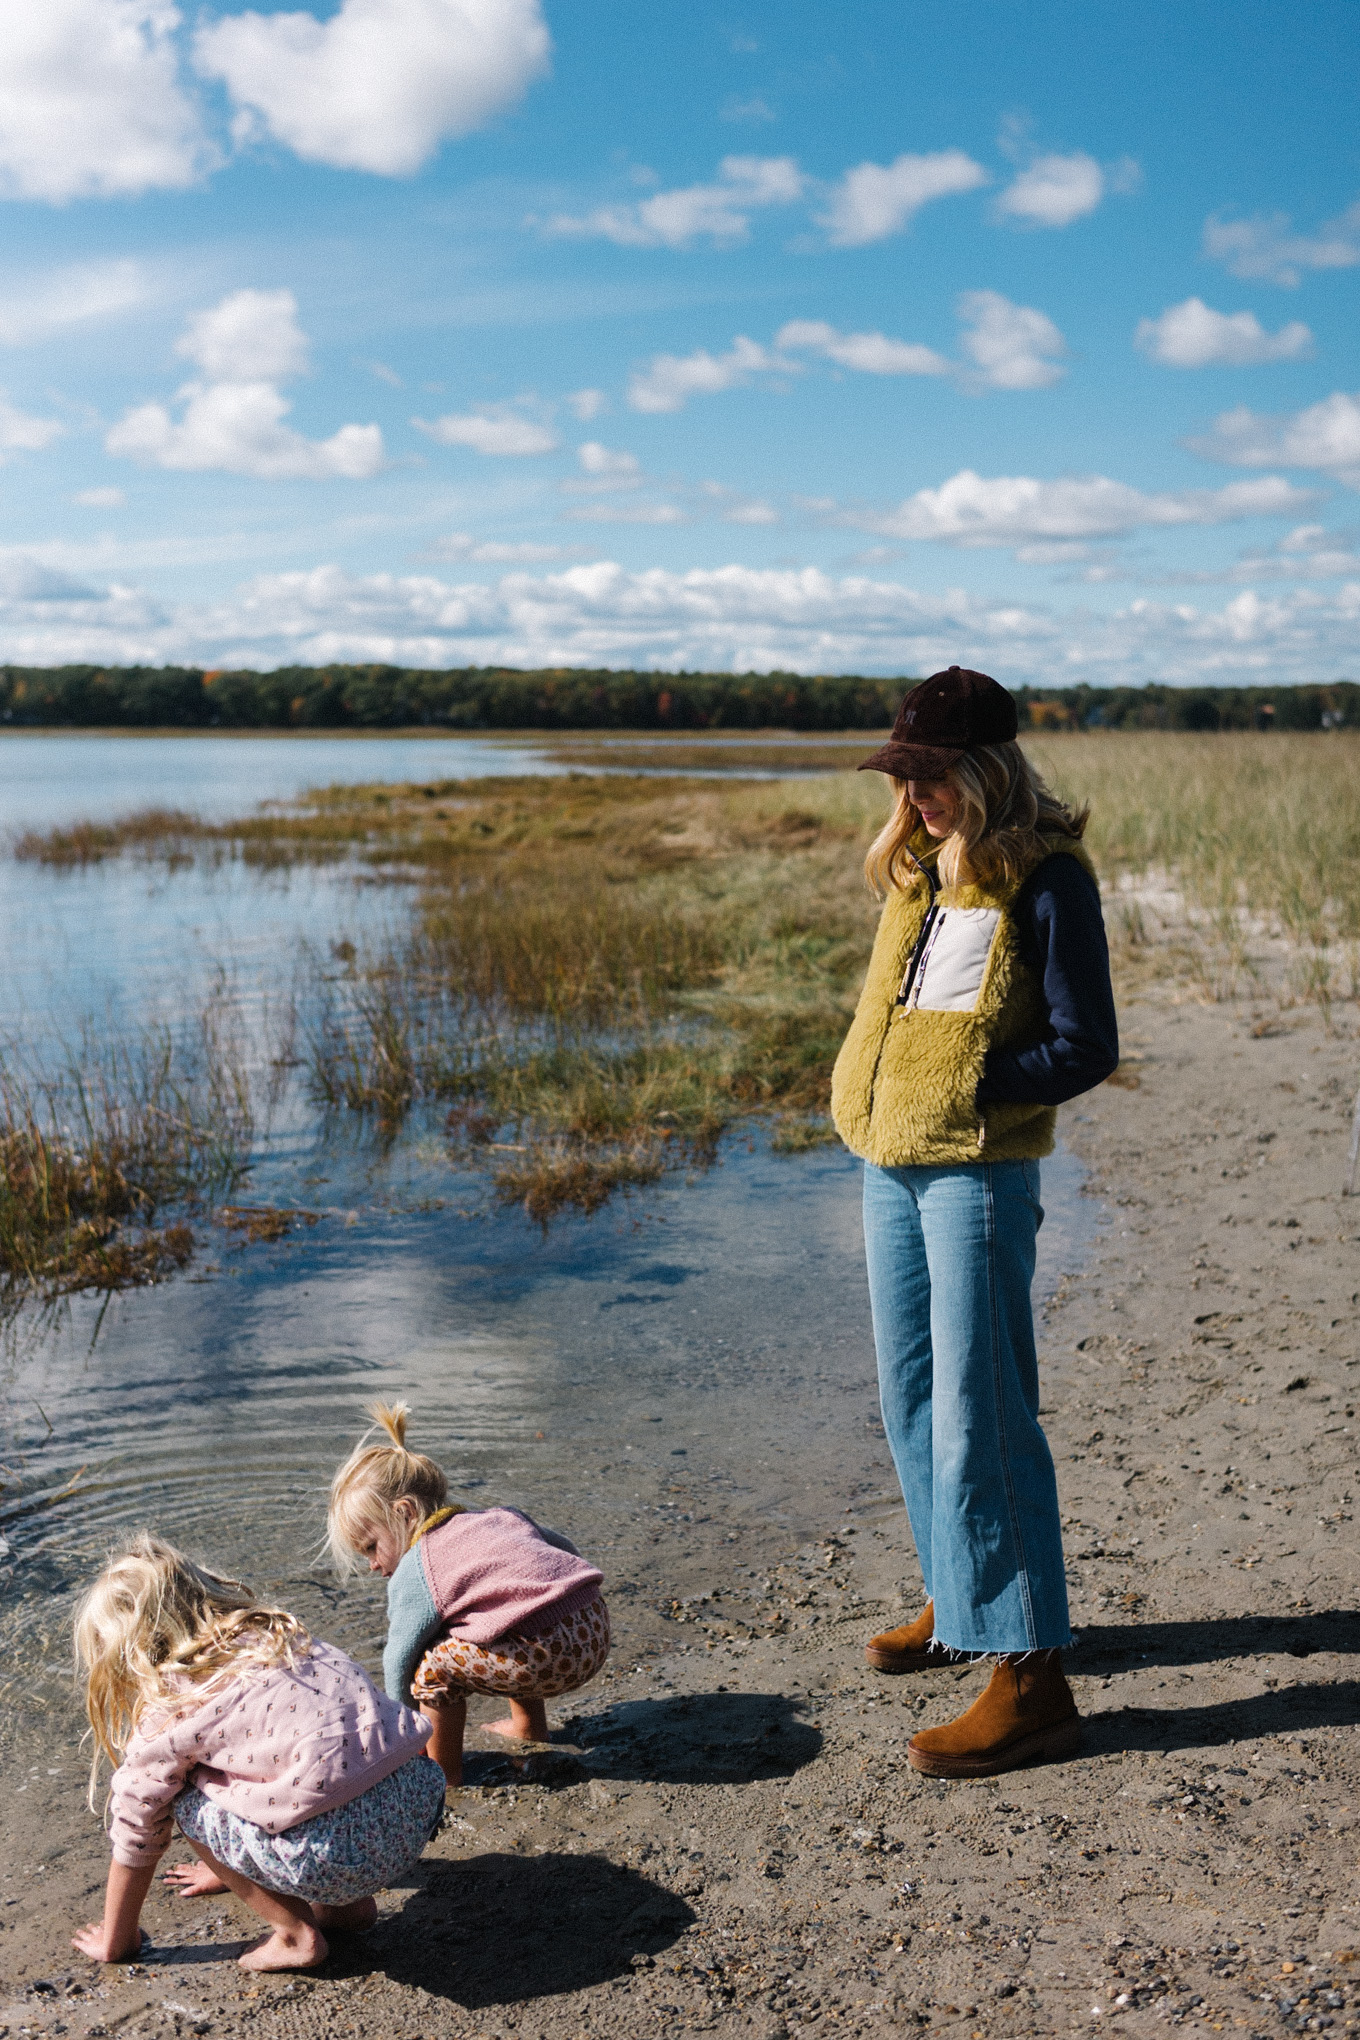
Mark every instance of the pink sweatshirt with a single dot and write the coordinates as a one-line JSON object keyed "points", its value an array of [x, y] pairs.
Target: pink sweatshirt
{"points": [[275, 1746], [483, 1574]]}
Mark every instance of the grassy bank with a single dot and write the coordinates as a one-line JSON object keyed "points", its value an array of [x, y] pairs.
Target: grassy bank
{"points": [[602, 974]]}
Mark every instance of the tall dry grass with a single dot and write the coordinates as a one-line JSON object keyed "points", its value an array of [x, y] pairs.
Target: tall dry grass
{"points": [[604, 973]]}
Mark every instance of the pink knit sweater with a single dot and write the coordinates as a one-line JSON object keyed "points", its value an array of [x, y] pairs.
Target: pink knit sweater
{"points": [[275, 1746]]}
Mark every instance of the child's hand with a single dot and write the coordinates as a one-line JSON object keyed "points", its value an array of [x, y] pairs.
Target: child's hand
{"points": [[193, 1880], [100, 1945]]}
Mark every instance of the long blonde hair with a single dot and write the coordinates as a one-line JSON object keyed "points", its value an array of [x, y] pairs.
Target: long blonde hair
{"points": [[374, 1479], [154, 1627], [1004, 809]]}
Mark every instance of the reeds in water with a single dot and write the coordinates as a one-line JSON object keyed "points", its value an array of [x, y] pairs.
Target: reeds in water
{"points": [[104, 1160]]}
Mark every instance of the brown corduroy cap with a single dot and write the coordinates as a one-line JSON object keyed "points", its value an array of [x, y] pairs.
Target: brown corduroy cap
{"points": [[944, 716]]}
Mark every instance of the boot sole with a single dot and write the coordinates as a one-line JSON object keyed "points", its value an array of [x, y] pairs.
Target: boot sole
{"points": [[910, 1660], [1045, 1746]]}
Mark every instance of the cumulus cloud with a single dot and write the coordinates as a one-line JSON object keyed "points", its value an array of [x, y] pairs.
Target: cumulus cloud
{"points": [[91, 105], [1267, 247], [1325, 436], [82, 293], [619, 469], [876, 200], [1006, 510], [21, 432], [718, 212], [728, 617], [870, 353], [252, 335], [492, 429], [380, 84], [670, 380], [1010, 347], [1053, 191], [99, 499], [1193, 335], [233, 421]]}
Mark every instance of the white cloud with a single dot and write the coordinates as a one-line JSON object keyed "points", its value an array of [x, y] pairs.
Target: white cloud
{"points": [[20, 432], [756, 110], [719, 212], [238, 429], [732, 618], [1005, 510], [233, 422], [1266, 245], [587, 404], [252, 336], [56, 299], [90, 101], [380, 84], [1193, 335], [1053, 191], [1325, 436], [460, 545], [670, 380], [627, 513], [1011, 347], [99, 499], [876, 200], [870, 353], [493, 430], [607, 464]]}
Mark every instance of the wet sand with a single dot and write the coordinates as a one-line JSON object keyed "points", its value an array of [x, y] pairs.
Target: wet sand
{"points": [[729, 1837]]}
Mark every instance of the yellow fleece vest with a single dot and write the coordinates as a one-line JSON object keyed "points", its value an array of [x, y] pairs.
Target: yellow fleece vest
{"points": [[903, 1089]]}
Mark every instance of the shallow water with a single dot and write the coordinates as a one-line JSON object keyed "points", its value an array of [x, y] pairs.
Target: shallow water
{"points": [[708, 1338]]}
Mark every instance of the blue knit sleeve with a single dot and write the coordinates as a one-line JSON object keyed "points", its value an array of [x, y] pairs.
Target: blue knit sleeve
{"points": [[1062, 939], [413, 1622]]}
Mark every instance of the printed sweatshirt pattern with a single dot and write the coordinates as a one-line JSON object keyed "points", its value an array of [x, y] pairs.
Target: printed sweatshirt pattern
{"points": [[481, 1575], [277, 1747]]}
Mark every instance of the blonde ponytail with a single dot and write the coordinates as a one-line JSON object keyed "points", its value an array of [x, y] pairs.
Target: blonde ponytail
{"points": [[379, 1474]]}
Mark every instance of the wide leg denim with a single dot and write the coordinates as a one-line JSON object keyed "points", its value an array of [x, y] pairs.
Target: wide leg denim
{"points": [[951, 1259]]}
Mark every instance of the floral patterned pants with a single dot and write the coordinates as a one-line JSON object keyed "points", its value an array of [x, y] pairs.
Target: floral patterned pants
{"points": [[556, 1660]]}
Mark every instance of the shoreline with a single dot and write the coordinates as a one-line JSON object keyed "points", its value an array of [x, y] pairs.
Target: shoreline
{"points": [[729, 1838]]}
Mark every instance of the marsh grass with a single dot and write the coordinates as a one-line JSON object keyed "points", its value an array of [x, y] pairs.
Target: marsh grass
{"points": [[604, 973], [104, 1160]]}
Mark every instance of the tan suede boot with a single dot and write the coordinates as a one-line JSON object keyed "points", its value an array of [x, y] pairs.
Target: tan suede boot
{"points": [[908, 1649], [1026, 1713]]}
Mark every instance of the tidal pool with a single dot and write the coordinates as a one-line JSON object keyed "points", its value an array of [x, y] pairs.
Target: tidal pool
{"points": [[697, 1356]]}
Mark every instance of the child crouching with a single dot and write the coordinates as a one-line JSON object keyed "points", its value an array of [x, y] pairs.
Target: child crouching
{"points": [[478, 1600], [299, 1786]]}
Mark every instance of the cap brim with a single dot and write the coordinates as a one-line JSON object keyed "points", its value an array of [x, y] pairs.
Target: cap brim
{"points": [[911, 761]]}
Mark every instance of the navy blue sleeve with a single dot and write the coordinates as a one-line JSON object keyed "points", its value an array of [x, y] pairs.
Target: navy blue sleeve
{"points": [[1062, 939]]}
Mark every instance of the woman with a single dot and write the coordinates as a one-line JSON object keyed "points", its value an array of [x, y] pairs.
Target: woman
{"points": [[987, 1004]]}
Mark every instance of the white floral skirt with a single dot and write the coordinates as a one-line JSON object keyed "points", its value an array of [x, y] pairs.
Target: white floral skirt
{"points": [[335, 1857]]}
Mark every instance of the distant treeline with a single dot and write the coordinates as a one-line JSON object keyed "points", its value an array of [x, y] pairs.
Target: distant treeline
{"points": [[498, 698]]}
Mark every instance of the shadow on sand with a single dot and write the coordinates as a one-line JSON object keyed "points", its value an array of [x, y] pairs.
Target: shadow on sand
{"points": [[699, 1738], [503, 1929], [1198, 1643], [1292, 1711]]}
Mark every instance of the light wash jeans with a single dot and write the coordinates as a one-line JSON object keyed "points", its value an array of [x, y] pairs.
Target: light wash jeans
{"points": [[951, 1259]]}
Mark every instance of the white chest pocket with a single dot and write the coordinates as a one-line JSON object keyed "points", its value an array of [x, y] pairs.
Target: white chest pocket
{"points": [[955, 962]]}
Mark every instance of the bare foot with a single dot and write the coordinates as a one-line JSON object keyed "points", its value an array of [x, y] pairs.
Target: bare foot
{"points": [[355, 1918], [297, 1947], [508, 1727], [193, 1880]]}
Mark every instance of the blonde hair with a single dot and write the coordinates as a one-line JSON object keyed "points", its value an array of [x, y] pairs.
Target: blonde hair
{"points": [[373, 1480], [154, 1627], [1005, 809]]}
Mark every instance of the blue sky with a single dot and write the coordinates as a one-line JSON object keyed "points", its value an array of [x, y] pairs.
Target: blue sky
{"points": [[471, 331]]}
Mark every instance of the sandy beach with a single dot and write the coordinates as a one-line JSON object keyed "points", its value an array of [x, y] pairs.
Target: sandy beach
{"points": [[727, 1836]]}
